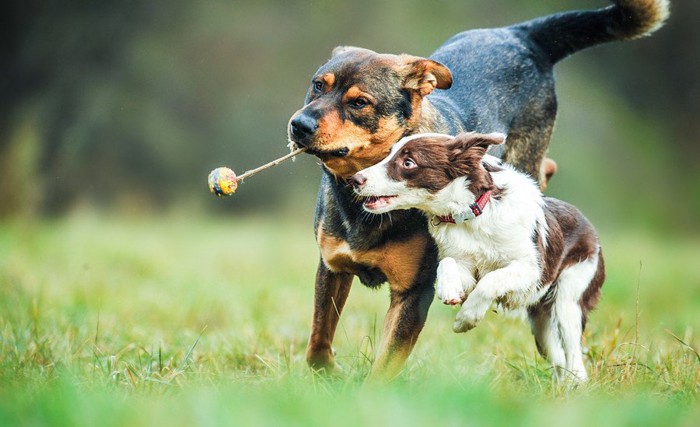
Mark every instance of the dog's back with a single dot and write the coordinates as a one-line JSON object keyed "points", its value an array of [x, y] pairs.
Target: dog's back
{"points": [[489, 94]]}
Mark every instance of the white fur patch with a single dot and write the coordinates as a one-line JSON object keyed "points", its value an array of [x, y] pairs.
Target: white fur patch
{"points": [[380, 184], [500, 248]]}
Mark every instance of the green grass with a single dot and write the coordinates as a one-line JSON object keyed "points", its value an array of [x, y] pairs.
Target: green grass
{"points": [[188, 321]]}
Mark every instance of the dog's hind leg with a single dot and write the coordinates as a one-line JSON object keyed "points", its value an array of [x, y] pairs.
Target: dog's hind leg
{"points": [[330, 294], [571, 285], [547, 338]]}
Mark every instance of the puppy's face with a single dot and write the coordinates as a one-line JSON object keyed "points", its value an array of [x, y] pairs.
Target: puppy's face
{"points": [[360, 103], [419, 170]]}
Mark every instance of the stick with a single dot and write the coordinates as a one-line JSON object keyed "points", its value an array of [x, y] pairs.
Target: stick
{"points": [[251, 172]]}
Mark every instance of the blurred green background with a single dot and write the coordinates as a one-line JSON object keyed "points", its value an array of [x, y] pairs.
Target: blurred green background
{"points": [[126, 106], [130, 296]]}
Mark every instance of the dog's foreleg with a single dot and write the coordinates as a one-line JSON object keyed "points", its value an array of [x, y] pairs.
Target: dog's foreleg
{"points": [[454, 281], [513, 281], [403, 323], [330, 294]]}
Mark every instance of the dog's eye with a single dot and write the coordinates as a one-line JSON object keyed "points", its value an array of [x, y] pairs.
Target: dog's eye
{"points": [[318, 86], [359, 103], [408, 163]]}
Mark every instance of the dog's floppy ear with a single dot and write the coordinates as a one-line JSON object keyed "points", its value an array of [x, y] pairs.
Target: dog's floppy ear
{"points": [[424, 75], [339, 50], [473, 144]]}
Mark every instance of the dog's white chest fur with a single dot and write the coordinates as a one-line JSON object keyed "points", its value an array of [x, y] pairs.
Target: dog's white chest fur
{"points": [[502, 234]]}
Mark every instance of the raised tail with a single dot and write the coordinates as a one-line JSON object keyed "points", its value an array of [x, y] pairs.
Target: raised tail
{"points": [[562, 34]]}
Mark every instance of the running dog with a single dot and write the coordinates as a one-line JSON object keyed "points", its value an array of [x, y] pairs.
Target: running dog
{"points": [[499, 239], [360, 103]]}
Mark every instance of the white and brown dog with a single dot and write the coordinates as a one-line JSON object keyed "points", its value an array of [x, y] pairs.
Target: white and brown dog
{"points": [[500, 241]]}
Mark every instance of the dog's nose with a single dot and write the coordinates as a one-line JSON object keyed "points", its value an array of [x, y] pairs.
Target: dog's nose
{"points": [[357, 180], [303, 125]]}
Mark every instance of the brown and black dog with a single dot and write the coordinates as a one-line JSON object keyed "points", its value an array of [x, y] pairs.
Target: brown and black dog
{"points": [[361, 102]]}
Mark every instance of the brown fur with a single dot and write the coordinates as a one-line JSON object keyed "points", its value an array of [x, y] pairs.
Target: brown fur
{"points": [[330, 295], [440, 160], [570, 240], [365, 149], [503, 82], [398, 260], [329, 80], [368, 144]]}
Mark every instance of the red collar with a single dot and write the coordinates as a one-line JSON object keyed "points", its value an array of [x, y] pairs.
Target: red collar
{"points": [[475, 209]]}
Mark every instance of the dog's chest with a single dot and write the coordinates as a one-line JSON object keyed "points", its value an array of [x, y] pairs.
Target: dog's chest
{"points": [[486, 250], [398, 261]]}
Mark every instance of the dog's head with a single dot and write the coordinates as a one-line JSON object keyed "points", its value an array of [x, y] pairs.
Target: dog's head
{"points": [[360, 103], [428, 172]]}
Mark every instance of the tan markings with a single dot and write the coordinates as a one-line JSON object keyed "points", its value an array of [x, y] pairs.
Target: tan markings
{"points": [[424, 75], [355, 92], [399, 261], [336, 253], [328, 126], [427, 84], [328, 79], [391, 357], [365, 148]]}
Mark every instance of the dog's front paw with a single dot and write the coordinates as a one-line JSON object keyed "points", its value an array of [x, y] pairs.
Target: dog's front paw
{"points": [[322, 362], [465, 322], [449, 287], [469, 316], [450, 293]]}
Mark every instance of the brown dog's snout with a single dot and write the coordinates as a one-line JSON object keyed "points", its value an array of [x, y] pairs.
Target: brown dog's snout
{"points": [[303, 126], [357, 180]]}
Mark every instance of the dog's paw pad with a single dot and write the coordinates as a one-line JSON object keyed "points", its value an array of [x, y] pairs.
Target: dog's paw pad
{"points": [[449, 297]]}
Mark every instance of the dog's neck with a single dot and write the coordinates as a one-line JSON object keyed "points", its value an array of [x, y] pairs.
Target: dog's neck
{"points": [[452, 199], [475, 210], [461, 194], [431, 120], [360, 229]]}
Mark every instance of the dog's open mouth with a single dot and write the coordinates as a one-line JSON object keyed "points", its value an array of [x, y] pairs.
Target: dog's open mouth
{"points": [[341, 152], [373, 203]]}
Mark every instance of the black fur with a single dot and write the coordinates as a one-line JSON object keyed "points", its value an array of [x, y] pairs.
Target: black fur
{"points": [[502, 81]]}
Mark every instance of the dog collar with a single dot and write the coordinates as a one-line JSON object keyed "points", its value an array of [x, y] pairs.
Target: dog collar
{"points": [[475, 209]]}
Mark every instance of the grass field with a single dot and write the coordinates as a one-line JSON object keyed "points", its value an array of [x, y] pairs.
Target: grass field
{"points": [[186, 321]]}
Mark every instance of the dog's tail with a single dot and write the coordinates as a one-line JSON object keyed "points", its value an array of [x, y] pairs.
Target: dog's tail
{"points": [[562, 34]]}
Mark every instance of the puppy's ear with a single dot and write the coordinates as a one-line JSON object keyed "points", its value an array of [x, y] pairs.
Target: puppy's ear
{"points": [[473, 144], [424, 75], [339, 50]]}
